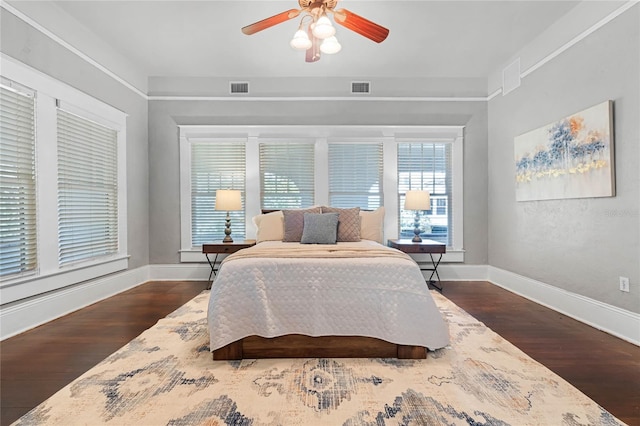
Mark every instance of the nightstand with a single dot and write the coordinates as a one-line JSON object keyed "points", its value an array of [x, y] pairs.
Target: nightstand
{"points": [[218, 248], [429, 247]]}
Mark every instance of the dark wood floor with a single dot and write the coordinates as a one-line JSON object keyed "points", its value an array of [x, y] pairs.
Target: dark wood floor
{"points": [[37, 363]]}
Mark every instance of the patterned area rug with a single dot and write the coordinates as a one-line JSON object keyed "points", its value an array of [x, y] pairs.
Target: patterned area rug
{"points": [[166, 376]]}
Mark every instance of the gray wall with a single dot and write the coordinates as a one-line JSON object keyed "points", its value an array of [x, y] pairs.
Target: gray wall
{"points": [[164, 177], [31, 47], [580, 245]]}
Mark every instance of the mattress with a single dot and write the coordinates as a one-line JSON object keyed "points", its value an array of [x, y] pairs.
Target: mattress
{"points": [[344, 289]]}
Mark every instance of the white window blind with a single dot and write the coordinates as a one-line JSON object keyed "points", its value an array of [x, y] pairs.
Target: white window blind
{"points": [[427, 166], [215, 165], [87, 189], [286, 175], [17, 180], [355, 175]]}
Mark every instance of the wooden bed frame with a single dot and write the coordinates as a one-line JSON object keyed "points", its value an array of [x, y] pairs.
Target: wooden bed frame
{"points": [[300, 346]]}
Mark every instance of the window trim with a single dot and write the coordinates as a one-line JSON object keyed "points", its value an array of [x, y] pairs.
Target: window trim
{"points": [[49, 275], [187, 250], [455, 252], [323, 134]]}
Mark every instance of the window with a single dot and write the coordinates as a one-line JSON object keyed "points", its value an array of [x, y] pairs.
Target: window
{"points": [[351, 186], [426, 166], [62, 185], [17, 180], [342, 166], [215, 165], [286, 175], [87, 189]]}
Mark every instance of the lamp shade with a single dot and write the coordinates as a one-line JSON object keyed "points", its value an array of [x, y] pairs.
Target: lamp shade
{"points": [[228, 199], [417, 200]]}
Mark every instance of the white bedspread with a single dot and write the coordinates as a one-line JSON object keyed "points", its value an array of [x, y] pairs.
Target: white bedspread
{"points": [[375, 296]]}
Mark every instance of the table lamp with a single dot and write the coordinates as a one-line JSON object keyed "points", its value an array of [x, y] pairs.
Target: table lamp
{"points": [[229, 200], [417, 200]]}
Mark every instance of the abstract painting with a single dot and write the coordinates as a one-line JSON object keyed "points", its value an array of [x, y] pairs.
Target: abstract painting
{"points": [[570, 158]]}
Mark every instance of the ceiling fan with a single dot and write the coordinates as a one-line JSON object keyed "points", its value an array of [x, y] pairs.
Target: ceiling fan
{"points": [[319, 34]]}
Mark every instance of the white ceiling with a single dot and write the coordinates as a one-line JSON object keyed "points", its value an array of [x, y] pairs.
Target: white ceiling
{"points": [[466, 39]]}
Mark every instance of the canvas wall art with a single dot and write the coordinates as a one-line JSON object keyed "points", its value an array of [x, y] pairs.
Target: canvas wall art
{"points": [[570, 158]]}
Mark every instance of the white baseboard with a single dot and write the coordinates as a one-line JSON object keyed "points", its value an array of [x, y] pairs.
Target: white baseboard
{"points": [[611, 319], [24, 315], [461, 272], [21, 316], [179, 272]]}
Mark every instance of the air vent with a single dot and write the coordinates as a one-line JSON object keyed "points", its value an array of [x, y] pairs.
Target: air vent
{"points": [[239, 87], [511, 77], [360, 87]]}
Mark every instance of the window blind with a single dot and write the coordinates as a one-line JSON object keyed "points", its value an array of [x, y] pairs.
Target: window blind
{"points": [[355, 175], [215, 165], [87, 189], [286, 175], [427, 166], [18, 252]]}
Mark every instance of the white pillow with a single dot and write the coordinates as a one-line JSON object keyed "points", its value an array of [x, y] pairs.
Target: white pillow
{"points": [[270, 226], [372, 225]]}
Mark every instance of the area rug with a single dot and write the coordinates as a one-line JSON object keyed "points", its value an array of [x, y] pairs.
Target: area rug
{"points": [[166, 376]]}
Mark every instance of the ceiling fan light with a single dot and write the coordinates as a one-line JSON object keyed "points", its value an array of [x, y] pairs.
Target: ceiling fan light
{"points": [[323, 28], [300, 40], [330, 46]]}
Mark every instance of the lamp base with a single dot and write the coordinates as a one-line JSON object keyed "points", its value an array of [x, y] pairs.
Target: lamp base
{"points": [[227, 230], [416, 228]]}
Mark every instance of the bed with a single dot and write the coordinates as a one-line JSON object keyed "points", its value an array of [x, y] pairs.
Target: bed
{"points": [[342, 299]]}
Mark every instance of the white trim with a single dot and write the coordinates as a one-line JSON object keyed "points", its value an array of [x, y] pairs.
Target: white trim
{"points": [[25, 315], [601, 23], [185, 192], [72, 49], [626, 6], [611, 319], [50, 275], [32, 285], [42, 83], [322, 98], [179, 272], [457, 186], [494, 94], [462, 272], [321, 135]]}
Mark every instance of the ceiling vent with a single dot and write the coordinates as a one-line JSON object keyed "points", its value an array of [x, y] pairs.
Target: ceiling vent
{"points": [[238, 87], [360, 87]]}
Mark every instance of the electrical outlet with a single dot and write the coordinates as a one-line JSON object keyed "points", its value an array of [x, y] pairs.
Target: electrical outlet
{"points": [[624, 284]]}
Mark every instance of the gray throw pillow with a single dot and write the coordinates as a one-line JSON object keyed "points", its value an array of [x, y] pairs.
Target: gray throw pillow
{"points": [[320, 228]]}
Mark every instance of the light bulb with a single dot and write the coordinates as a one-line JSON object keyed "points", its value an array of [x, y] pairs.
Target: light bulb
{"points": [[300, 40], [330, 45], [323, 28]]}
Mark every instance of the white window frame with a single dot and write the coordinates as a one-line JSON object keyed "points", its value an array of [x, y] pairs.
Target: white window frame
{"points": [[390, 136], [188, 252], [49, 274]]}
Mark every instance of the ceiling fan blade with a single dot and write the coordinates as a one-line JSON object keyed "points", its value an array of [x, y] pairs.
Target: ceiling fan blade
{"points": [[271, 21], [362, 26], [313, 53]]}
